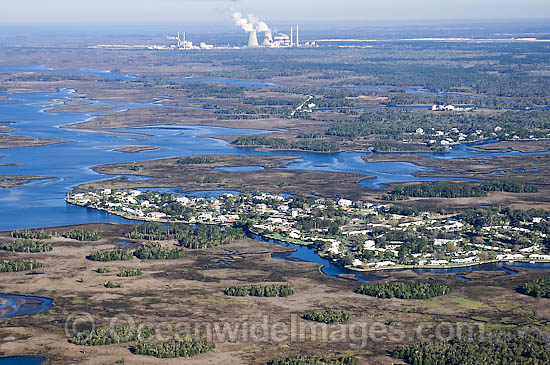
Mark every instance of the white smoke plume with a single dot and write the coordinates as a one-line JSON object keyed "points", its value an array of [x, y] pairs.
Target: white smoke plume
{"points": [[262, 27], [242, 22], [250, 23]]}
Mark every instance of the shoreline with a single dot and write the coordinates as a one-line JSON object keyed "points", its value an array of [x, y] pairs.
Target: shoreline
{"points": [[267, 237], [13, 304]]}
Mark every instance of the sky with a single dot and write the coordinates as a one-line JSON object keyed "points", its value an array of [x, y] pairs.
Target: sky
{"points": [[219, 11]]}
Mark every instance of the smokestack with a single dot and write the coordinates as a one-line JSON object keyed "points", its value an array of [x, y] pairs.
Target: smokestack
{"points": [[297, 36], [291, 36], [253, 39]]}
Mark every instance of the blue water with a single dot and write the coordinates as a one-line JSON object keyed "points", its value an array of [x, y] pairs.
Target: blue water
{"points": [[32, 305], [41, 203], [123, 243], [20, 360], [333, 270]]}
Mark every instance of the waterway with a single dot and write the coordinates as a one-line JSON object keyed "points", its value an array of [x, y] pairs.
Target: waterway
{"points": [[13, 305], [334, 270], [20, 360], [41, 203]]}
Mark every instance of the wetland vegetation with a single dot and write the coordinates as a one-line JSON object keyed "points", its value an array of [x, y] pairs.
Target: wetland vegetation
{"points": [[328, 316], [404, 290], [274, 290], [179, 347], [375, 98], [538, 288], [108, 335], [515, 347], [154, 251], [19, 265], [26, 245]]}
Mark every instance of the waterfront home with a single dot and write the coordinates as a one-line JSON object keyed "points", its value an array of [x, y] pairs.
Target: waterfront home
{"points": [[510, 257], [156, 215]]}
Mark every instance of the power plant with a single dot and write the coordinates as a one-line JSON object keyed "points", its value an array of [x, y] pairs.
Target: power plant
{"points": [[253, 39], [250, 24]]}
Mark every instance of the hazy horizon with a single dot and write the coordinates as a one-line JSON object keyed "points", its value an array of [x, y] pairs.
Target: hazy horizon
{"points": [[219, 12]]}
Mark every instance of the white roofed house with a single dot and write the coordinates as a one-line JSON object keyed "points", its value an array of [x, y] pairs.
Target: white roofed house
{"points": [[345, 203], [183, 200], [156, 215], [357, 263]]}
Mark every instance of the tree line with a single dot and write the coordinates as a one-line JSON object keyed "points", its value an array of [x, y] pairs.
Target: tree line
{"points": [[119, 254], [30, 234], [539, 288], [196, 160], [108, 335], [26, 245], [198, 236], [146, 251], [284, 144], [274, 290], [180, 347], [458, 190], [154, 251], [81, 235], [415, 290], [205, 236], [516, 347], [19, 265]]}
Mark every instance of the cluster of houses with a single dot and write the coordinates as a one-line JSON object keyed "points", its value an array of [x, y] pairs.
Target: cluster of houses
{"points": [[359, 243], [449, 108]]}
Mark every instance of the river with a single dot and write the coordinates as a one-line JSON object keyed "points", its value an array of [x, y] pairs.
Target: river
{"points": [[41, 203]]}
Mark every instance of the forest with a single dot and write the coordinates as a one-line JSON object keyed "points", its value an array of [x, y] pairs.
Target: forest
{"points": [[274, 290], [194, 237], [539, 288], [108, 335], [395, 123], [516, 347], [196, 160], [179, 347], [118, 254], [81, 235], [26, 245], [29, 234], [514, 217], [457, 190], [206, 236], [284, 144], [401, 290], [19, 265], [154, 251]]}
